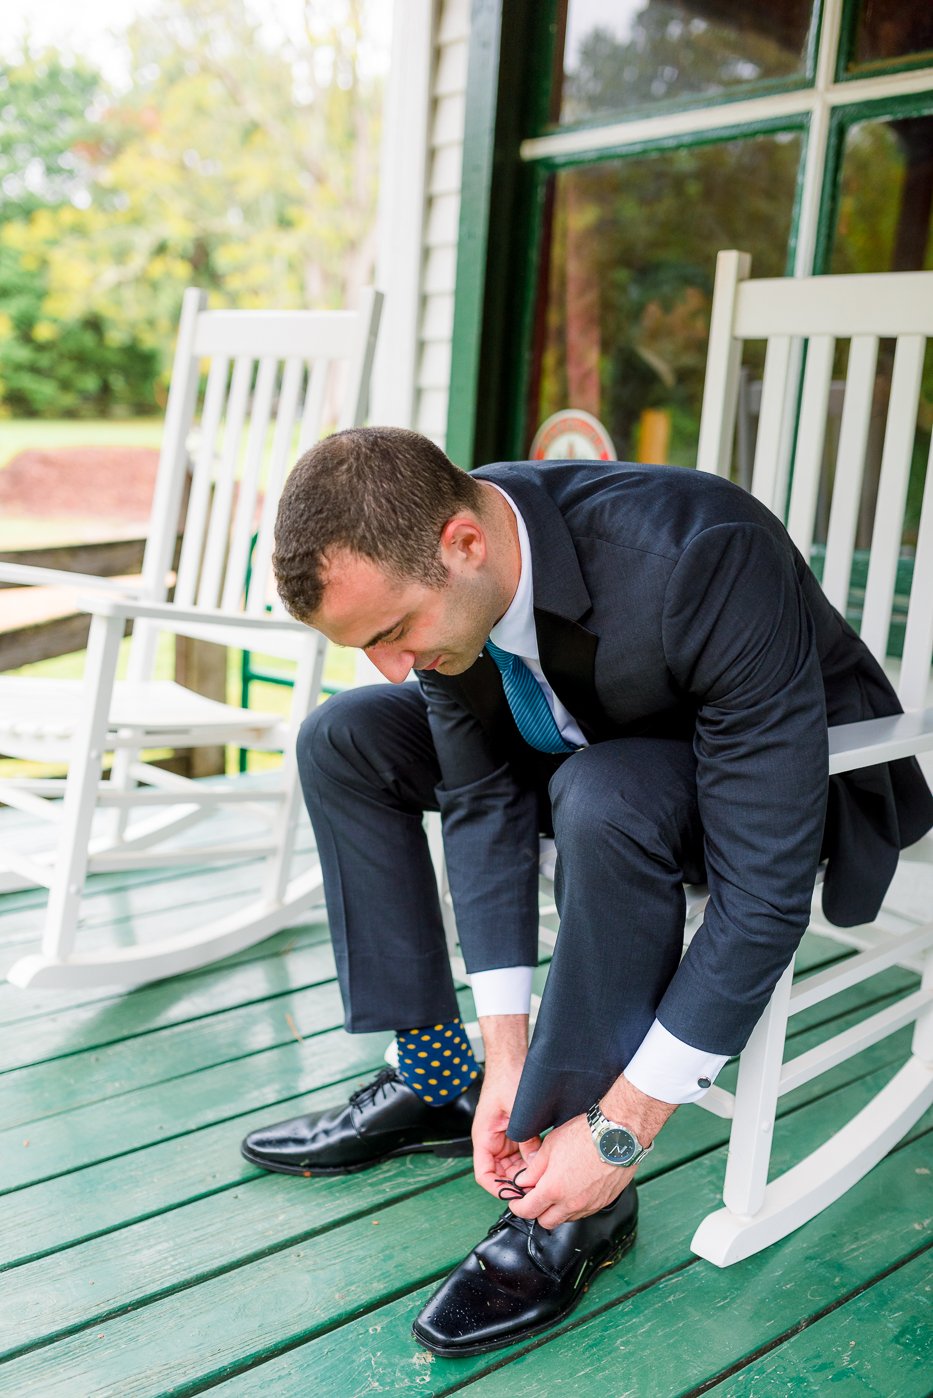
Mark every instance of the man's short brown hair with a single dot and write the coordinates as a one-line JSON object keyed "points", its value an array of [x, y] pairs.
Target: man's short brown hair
{"points": [[382, 493]]}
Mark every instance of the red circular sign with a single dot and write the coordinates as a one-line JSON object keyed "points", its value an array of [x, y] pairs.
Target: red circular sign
{"points": [[572, 435]]}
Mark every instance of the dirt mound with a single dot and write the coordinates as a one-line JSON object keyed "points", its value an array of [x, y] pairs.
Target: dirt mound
{"points": [[112, 483]]}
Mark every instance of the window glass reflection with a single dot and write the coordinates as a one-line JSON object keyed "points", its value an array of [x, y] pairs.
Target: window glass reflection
{"points": [[626, 283], [625, 54], [884, 225], [888, 30], [885, 197]]}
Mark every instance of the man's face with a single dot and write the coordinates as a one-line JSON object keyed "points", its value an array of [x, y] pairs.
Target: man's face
{"points": [[405, 625]]}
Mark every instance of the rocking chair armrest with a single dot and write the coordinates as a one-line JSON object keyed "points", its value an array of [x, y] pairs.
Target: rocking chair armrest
{"points": [[172, 615], [28, 575], [876, 740]]}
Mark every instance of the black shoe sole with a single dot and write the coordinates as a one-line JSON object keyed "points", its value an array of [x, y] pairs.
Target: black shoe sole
{"points": [[446, 1149], [593, 1266]]}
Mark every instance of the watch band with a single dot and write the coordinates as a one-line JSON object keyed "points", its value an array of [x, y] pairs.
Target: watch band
{"points": [[617, 1144]]}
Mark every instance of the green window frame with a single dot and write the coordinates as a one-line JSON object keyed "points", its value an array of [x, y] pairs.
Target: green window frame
{"points": [[508, 159], [842, 119]]}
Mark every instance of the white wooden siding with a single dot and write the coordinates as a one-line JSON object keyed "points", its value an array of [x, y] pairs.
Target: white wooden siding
{"points": [[420, 213], [440, 271], [442, 220]]}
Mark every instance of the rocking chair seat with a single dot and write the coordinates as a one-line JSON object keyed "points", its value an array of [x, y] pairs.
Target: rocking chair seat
{"points": [[155, 714]]}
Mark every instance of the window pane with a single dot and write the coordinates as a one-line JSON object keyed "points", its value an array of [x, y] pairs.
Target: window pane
{"points": [[626, 283], [887, 30], [623, 54], [883, 225], [886, 192]]}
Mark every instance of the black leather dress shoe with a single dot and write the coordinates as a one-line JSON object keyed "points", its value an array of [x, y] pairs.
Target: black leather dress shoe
{"points": [[523, 1278], [382, 1120]]}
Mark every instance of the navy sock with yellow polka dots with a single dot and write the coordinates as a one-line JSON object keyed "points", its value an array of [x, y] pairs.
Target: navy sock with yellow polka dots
{"points": [[437, 1061]]}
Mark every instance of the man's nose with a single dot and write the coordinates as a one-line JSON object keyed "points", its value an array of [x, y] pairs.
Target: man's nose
{"points": [[396, 666]]}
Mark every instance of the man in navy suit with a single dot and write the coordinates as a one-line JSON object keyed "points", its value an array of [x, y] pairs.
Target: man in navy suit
{"points": [[637, 660]]}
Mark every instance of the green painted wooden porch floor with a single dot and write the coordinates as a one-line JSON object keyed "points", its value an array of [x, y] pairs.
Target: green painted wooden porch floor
{"points": [[141, 1255]]}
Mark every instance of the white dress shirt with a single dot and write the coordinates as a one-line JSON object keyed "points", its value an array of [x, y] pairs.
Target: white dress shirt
{"points": [[663, 1066]]}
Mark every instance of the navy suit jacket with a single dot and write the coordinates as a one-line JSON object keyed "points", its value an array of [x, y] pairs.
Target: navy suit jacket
{"points": [[670, 602]]}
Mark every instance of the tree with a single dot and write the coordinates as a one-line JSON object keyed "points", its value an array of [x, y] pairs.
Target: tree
{"points": [[47, 170], [238, 160], [45, 121]]}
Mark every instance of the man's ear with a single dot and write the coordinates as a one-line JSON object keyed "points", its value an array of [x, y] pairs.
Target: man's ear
{"points": [[463, 542]]}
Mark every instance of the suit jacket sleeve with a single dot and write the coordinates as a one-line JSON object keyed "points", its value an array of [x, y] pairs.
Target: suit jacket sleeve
{"points": [[738, 637], [490, 825]]}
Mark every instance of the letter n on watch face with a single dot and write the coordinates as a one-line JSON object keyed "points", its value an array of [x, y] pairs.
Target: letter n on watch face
{"points": [[617, 1146]]}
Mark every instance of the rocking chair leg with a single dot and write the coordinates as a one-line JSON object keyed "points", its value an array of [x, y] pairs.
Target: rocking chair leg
{"points": [[824, 1176], [756, 1097], [773, 1210], [285, 825], [923, 1029], [121, 780], [81, 791]]}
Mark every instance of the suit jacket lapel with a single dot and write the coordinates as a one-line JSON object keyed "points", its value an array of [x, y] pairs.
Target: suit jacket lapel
{"points": [[481, 689], [568, 659], [561, 599]]}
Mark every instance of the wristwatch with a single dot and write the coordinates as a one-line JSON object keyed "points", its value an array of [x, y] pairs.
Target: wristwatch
{"points": [[616, 1144]]}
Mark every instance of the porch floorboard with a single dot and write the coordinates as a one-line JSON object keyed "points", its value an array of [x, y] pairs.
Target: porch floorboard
{"points": [[141, 1255]]}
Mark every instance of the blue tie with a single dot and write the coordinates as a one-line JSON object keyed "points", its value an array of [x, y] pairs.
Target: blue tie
{"points": [[528, 702]]}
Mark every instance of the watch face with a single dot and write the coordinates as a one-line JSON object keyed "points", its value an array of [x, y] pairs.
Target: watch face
{"points": [[617, 1145]]}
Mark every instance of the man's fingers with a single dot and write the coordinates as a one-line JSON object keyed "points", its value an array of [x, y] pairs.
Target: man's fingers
{"points": [[493, 1163], [534, 1203], [530, 1148], [533, 1163], [483, 1166], [487, 1182], [553, 1216]]}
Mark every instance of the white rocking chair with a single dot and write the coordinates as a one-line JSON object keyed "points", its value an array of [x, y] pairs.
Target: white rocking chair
{"points": [[820, 312], [269, 381], [785, 313]]}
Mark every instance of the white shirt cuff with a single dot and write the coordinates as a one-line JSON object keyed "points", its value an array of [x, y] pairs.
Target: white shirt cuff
{"points": [[503, 991], [665, 1067]]}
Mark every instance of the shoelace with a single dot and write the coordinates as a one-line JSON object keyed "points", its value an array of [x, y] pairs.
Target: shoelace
{"points": [[511, 1189], [367, 1093]]}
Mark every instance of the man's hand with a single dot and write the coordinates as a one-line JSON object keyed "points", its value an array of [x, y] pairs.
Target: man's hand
{"points": [[565, 1176], [495, 1157]]}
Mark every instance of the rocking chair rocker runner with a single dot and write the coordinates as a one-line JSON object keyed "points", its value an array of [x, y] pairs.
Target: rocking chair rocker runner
{"points": [[269, 379]]}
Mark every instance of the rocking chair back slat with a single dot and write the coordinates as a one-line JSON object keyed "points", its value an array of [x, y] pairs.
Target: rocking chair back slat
{"points": [[313, 411], [892, 493], [170, 479], [724, 362], [218, 530], [282, 452], [359, 364], [199, 501], [811, 435], [766, 474], [234, 584], [849, 468], [918, 636]]}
